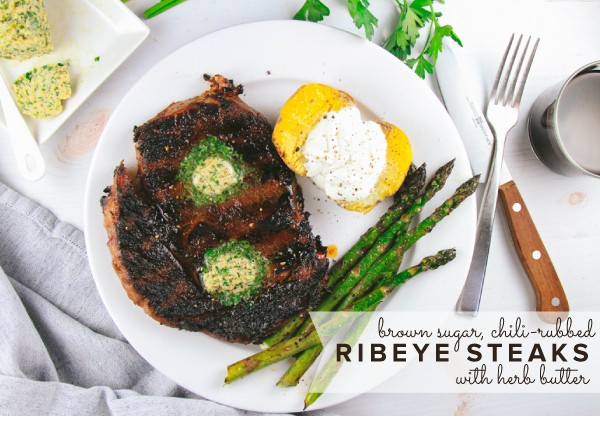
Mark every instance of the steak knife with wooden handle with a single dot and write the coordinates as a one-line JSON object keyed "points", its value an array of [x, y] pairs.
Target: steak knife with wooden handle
{"points": [[551, 301]]}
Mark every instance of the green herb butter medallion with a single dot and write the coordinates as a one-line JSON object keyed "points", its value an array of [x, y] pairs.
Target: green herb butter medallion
{"points": [[211, 172], [24, 31], [233, 272], [40, 92]]}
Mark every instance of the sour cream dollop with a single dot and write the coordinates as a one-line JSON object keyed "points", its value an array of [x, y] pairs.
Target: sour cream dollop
{"points": [[345, 155]]}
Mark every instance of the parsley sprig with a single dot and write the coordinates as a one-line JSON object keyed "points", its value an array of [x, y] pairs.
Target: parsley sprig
{"points": [[414, 17]]}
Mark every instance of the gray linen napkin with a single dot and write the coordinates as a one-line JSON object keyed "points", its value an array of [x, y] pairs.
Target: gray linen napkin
{"points": [[60, 352]]}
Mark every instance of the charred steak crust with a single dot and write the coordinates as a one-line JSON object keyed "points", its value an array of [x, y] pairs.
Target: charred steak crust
{"points": [[158, 237]]}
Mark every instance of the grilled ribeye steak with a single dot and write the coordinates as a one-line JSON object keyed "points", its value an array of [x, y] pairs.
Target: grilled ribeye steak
{"points": [[158, 235]]}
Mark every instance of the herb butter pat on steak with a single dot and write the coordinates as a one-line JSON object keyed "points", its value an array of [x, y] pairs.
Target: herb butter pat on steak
{"points": [[211, 172], [233, 272]]}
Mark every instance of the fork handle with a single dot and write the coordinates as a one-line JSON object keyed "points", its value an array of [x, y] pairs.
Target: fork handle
{"points": [[551, 301]]}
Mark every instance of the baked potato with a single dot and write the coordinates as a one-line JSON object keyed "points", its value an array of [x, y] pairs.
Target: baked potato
{"points": [[305, 109]]}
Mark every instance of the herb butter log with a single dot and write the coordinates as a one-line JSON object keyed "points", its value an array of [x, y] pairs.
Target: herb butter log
{"points": [[320, 134], [212, 235], [24, 29]]}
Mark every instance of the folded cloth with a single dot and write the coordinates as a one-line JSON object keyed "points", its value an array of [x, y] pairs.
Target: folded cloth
{"points": [[60, 352]]}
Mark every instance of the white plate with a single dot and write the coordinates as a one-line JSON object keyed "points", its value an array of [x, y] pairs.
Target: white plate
{"points": [[81, 30], [272, 59]]}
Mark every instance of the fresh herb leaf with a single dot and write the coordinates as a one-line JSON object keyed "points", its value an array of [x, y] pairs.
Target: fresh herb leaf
{"points": [[312, 10], [435, 45], [421, 8], [423, 66], [415, 16], [410, 26], [362, 16]]}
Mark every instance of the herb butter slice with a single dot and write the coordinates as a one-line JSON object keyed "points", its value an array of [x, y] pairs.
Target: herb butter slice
{"points": [[212, 172], [39, 92], [24, 29], [233, 272]]}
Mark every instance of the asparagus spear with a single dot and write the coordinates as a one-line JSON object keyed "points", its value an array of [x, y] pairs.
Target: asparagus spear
{"points": [[357, 283], [301, 364], [391, 258], [304, 361], [331, 368], [428, 263], [403, 199], [306, 340], [272, 355], [369, 303], [383, 243], [310, 338]]}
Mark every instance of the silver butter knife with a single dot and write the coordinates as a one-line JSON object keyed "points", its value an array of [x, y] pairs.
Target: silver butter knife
{"points": [[477, 138], [465, 113]]}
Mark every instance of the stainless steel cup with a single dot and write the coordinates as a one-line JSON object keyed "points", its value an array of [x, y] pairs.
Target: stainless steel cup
{"points": [[564, 124]]}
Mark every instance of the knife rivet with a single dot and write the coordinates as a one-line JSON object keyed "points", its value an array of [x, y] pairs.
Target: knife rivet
{"points": [[555, 302], [536, 255], [516, 207]]}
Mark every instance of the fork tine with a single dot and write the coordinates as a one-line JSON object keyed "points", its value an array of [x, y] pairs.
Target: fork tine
{"points": [[502, 92], [500, 68], [513, 84], [517, 101]]}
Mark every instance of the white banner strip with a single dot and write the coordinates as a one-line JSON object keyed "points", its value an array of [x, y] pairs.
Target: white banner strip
{"points": [[514, 352]]}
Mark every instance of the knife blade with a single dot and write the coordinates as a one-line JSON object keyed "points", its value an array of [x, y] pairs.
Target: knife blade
{"points": [[465, 113], [551, 300]]}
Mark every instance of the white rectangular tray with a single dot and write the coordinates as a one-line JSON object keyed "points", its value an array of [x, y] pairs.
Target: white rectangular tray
{"points": [[81, 30]]}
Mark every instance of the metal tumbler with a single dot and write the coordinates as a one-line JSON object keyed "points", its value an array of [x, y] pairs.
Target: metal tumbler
{"points": [[564, 124]]}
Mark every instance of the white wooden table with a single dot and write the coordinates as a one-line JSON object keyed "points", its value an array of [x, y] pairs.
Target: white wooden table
{"points": [[564, 209]]}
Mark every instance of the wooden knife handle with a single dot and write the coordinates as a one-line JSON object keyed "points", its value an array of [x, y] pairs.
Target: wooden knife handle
{"points": [[551, 299]]}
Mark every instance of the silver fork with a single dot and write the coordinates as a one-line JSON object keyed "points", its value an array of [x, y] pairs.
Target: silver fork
{"points": [[502, 115]]}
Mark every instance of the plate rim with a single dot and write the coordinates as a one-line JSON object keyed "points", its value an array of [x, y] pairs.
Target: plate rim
{"points": [[90, 200]]}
